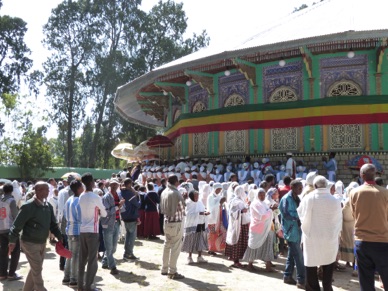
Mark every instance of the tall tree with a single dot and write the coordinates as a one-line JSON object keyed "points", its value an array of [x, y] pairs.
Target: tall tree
{"points": [[117, 22], [132, 43], [14, 61], [70, 35]]}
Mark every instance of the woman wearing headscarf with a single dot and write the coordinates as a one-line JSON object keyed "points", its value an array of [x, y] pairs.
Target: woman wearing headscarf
{"points": [[217, 231], [195, 236], [261, 239], [238, 227], [206, 190], [347, 233], [339, 190], [252, 191], [272, 201], [230, 193]]}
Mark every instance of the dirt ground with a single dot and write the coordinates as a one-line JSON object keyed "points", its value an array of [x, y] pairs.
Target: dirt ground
{"points": [[145, 273]]}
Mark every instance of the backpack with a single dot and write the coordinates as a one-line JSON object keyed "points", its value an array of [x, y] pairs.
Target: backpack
{"points": [[5, 213]]}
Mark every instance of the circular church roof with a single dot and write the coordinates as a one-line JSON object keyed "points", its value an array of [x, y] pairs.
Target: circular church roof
{"points": [[326, 27]]}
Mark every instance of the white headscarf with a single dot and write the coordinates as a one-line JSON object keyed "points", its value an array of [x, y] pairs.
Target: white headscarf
{"points": [[230, 192], [206, 190], [235, 216], [261, 218], [252, 192]]}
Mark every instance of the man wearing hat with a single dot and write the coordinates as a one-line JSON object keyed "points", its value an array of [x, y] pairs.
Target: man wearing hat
{"points": [[111, 225], [181, 165]]}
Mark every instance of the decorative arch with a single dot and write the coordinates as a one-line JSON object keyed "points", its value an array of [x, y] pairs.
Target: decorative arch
{"points": [[345, 136], [283, 94], [177, 114], [344, 88], [235, 140], [284, 139], [234, 100], [199, 106]]}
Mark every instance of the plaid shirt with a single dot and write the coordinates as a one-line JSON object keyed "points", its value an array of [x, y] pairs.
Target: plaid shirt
{"points": [[178, 217]]}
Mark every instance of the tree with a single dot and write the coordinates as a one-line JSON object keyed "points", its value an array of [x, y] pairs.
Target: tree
{"points": [[132, 43], [32, 153], [70, 34], [14, 62], [161, 36]]}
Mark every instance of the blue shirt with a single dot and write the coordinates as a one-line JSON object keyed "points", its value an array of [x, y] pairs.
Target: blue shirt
{"points": [[290, 218], [72, 213]]}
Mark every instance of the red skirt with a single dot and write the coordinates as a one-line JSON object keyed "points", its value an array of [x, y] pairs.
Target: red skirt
{"points": [[151, 224], [140, 227], [237, 251]]}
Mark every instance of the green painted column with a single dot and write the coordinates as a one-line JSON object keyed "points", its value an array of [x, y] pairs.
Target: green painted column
{"points": [[260, 100], [216, 134], [317, 94]]}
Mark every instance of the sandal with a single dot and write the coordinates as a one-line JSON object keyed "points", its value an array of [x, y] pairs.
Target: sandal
{"points": [[176, 276], [252, 268], [238, 265]]}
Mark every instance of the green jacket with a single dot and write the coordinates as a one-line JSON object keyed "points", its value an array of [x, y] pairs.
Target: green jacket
{"points": [[35, 220]]}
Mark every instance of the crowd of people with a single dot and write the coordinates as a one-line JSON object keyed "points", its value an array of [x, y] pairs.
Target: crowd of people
{"points": [[245, 211]]}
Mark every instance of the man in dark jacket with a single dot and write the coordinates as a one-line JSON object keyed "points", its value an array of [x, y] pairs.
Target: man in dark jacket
{"points": [[36, 218], [161, 215], [130, 217]]}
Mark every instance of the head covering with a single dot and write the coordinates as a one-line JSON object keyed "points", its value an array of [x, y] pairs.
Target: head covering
{"points": [[339, 188], [310, 178], [230, 192], [217, 186], [252, 192], [271, 192]]}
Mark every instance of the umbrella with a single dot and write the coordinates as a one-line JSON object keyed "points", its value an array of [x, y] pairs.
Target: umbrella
{"points": [[143, 150], [5, 181], [125, 151], [358, 161], [74, 174], [159, 141]]}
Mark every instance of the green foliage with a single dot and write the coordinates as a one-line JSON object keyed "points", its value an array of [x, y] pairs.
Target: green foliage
{"points": [[97, 46], [14, 62], [70, 35], [32, 153]]}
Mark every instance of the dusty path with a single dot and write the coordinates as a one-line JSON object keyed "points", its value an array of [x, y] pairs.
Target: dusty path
{"points": [[145, 274]]}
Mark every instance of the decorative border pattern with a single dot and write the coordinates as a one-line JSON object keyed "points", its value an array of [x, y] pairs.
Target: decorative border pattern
{"points": [[234, 84], [291, 75]]}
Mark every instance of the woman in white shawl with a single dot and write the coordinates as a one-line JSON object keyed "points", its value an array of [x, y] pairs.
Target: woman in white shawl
{"points": [[339, 190], [217, 231], [206, 190], [238, 227], [252, 192], [261, 239], [272, 201], [195, 236]]}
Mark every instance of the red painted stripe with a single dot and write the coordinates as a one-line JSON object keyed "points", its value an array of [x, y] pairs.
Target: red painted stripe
{"points": [[283, 123]]}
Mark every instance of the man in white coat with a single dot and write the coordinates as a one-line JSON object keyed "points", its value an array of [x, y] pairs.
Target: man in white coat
{"points": [[321, 217]]}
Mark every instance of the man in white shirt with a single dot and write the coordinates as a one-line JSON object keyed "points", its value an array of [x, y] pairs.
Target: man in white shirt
{"points": [[91, 208], [321, 216], [290, 166]]}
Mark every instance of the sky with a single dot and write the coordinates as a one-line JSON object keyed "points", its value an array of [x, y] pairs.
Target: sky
{"points": [[224, 20]]}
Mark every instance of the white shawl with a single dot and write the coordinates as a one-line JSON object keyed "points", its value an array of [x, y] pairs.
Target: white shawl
{"points": [[193, 218], [235, 216], [261, 218]]}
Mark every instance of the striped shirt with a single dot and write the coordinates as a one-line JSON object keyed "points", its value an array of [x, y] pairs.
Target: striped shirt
{"points": [[91, 207], [72, 213]]}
